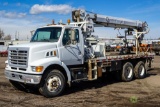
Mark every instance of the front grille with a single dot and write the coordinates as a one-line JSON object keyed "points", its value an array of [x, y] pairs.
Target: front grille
{"points": [[18, 57]]}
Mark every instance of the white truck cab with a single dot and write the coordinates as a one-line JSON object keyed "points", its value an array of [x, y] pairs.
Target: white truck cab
{"points": [[49, 46]]}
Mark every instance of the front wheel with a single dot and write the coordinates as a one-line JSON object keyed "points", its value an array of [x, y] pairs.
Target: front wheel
{"points": [[53, 85]]}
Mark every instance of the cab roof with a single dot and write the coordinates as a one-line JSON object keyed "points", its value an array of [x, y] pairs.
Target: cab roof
{"points": [[54, 25]]}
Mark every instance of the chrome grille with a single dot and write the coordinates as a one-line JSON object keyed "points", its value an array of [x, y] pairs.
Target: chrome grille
{"points": [[18, 57]]}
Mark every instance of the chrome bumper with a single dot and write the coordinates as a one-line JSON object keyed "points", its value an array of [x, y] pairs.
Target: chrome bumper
{"points": [[25, 78]]}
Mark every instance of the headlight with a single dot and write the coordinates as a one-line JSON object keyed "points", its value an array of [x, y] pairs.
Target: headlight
{"points": [[37, 68]]}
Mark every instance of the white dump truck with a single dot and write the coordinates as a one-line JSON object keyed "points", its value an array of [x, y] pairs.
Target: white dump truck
{"points": [[59, 54]]}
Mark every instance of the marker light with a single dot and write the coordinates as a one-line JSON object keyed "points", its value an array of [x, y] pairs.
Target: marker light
{"points": [[54, 53], [68, 21]]}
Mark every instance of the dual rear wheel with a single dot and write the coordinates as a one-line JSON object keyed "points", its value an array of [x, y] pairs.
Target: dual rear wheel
{"points": [[128, 71]]}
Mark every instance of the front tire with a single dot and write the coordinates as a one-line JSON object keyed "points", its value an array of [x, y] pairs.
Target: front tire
{"points": [[127, 72], [139, 70], [53, 85]]}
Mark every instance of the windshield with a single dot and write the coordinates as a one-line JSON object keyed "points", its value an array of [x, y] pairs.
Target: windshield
{"points": [[49, 34]]}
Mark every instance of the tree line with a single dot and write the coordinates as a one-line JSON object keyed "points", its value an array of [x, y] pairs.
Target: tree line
{"points": [[3, 36]]}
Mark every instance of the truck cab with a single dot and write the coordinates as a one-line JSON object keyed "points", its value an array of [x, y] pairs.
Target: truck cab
{"points": [[50, 46]]}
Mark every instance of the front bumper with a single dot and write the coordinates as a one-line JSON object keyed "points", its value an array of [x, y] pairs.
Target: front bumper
{"points": [[24, 78]]}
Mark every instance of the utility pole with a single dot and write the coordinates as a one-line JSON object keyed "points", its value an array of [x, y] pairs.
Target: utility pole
{"points": [[16, 35]]}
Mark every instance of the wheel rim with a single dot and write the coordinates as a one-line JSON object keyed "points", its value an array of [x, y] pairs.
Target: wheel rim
{"points": [[141, 70], [129, 72], [54, 84]]}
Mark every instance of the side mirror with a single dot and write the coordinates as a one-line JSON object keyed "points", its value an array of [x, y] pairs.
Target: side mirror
{"points": [[72, 35], [73, 38]]}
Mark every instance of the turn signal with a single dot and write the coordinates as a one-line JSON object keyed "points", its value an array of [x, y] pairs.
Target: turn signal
{"points": [[39, 68]]}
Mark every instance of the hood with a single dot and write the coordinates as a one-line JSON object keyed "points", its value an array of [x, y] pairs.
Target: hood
{"points": [[35, 50], [34, 45]]}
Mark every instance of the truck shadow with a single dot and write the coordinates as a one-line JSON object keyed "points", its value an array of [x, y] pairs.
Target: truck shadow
{"points": [[153, 71], [85, 85], [104, 81]]}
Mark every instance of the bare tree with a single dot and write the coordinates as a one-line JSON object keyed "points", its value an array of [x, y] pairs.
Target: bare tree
{"points": [[8, 37], [1, 34]]}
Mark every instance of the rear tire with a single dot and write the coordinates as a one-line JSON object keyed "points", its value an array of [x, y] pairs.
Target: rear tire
{"points": [[53, 84], [127, 72], [140, 70]]}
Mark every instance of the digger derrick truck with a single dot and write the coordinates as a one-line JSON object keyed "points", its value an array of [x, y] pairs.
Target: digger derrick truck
{"points": [[58, 55]]}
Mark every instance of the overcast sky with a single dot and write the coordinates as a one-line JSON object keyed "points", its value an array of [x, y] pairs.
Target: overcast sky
{"points": [[23, 16]]}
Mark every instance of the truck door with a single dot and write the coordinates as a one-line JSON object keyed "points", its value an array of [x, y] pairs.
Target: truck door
{"points": [[71, 54]]}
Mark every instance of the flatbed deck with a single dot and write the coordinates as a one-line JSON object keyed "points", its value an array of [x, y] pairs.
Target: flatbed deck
{"points": [[110, 56]]}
